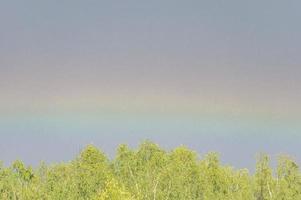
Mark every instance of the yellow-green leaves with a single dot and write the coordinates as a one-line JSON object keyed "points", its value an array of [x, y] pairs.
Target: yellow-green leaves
{"points": [[264, 182], [114, 191], [288, 181], [150, 173]]}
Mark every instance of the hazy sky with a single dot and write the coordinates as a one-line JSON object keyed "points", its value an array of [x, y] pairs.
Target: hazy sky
{"points": [[213, 75]]}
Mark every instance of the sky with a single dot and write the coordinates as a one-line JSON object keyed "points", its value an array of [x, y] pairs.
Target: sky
{"points": [[211, 75]]}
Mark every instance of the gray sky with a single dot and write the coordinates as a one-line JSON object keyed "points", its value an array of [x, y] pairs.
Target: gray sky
{"points": [[214, 75]]}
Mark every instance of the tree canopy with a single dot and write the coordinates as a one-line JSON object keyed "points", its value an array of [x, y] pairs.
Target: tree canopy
{"points": [[150, 173]]}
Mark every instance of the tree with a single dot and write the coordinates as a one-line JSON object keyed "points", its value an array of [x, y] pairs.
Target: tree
{"points": [[141, 170], [288, 179], [114, 191], [150, 173], [182, 175], [92, 169], [263, 179]]}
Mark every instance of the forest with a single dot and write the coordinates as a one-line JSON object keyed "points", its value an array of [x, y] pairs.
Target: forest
{"points": [[150, 173]]}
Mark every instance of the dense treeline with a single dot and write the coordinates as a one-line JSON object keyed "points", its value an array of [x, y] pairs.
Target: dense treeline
{"points": [[150, 173]]}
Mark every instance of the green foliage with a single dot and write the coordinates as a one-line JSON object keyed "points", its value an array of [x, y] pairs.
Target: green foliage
{"points": [[150, 173], [264, 183], [114, 191], [288, 183], [182, 175]]}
